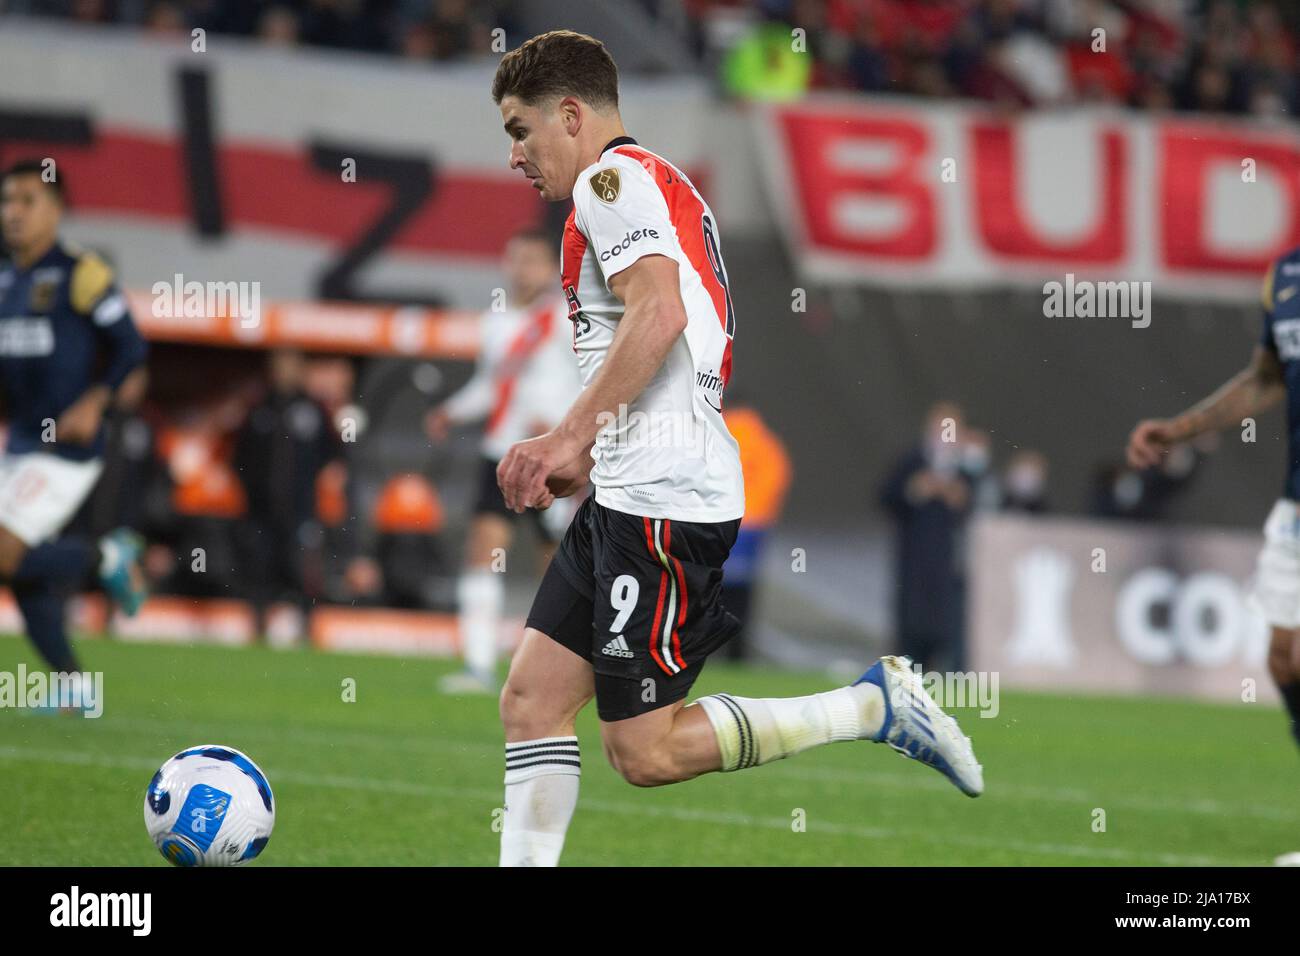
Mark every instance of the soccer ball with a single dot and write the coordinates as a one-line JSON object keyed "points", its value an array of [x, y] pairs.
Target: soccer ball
{"points": [[209, 806]]}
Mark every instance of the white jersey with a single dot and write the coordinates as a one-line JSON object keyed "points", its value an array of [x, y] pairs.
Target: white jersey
{"points": [[670, 455], [525, 378]]}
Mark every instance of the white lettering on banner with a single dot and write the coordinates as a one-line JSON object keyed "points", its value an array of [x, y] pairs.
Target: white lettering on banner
{"points": [[1203, 620], [1170, 615], [1042, 632]]}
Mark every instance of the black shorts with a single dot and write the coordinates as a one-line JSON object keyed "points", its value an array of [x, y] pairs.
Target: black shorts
{"points": [[492, 502], [637, 598]]}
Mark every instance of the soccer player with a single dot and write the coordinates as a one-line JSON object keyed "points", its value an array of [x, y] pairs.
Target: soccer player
{"points": [[628, 610], [60, 314], [523, 383], [1273, 374]]}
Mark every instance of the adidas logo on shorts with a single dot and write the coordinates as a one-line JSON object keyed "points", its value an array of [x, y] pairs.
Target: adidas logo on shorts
{"points": [[617, 648]]}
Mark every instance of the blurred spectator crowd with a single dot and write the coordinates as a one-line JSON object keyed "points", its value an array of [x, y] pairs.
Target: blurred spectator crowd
{"points": [[1207, 55], [1221, 56], [948, 475], [416, 29]]}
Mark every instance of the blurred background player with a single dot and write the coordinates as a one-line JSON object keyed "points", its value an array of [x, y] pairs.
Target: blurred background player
{"points": [[1273, 374], [765, 465], [62, 319], [525, 380]]}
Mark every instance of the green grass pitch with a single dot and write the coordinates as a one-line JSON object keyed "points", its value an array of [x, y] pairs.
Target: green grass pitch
{"points": [[404, 776]]}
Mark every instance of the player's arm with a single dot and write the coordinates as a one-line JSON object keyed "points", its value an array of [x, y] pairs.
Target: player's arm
{"points": [[1254, 389], [653, 318], [94, 295], [472, 402]]}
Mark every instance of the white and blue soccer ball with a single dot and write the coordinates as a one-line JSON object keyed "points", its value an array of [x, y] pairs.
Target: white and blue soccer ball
{"points": [[209, 806]]}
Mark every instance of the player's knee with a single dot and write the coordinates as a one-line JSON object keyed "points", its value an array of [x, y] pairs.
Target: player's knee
{"points": [[513, 707], [529, 715], [643, 767]]}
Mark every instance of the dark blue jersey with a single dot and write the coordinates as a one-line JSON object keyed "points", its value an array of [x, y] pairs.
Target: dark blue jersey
{"points": [[1281, 301], [64, 327]]}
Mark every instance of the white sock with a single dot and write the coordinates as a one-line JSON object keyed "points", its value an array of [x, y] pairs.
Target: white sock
{"points": [[757, 731], [481, 593], [541, 793]]}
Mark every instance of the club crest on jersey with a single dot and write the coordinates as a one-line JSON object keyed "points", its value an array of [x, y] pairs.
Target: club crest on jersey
{"points": [[42, 298], [605, 185]]}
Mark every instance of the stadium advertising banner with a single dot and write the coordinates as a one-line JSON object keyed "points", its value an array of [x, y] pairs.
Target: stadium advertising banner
{"points": [[906, 192], [318, 176], [1116, 608]]}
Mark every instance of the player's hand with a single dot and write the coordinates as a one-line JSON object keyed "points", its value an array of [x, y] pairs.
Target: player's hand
{"points": [[79, 423], [1150, 440], [523, 472], [570, 479]]}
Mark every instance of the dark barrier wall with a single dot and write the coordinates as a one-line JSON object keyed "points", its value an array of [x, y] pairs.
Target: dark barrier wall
{"points": [[847, 383]]}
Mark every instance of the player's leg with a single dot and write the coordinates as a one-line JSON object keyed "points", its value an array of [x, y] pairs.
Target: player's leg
{"points": [[39, 602], [38, 496], [481, 597], [1284, 666], [658, 617], [668, 745], [721, 732], [42, 609], [480, 591], [1276, 595], [550, 681], [546, 688]]}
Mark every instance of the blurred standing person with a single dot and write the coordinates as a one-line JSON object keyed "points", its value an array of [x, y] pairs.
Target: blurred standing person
{"points": [[930, 496], [977, 466], [525, 380], [766, 469], [280, 451], [1024, 482], [1122, 492]]}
